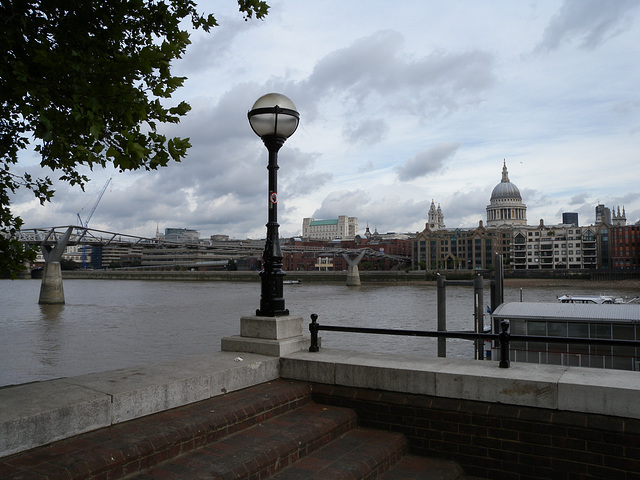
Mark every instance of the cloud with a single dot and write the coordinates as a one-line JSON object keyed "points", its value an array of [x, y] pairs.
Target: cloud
{"points": [[427, 161], [589, 22], [387, 97], [465, 207], [578, 199], [342, 202], [369, 132], [376, 67]]}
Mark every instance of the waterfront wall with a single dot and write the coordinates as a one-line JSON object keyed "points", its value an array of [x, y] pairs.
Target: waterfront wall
{"points": [[494, 440], [389, 276], [240, 276], [528, 421], [525, 422]]}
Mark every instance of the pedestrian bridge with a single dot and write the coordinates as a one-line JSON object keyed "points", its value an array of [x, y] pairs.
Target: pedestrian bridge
{"points": [[54, 240]]}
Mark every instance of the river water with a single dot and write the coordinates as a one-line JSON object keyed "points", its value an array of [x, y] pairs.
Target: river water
{"points": [[110, 324]]}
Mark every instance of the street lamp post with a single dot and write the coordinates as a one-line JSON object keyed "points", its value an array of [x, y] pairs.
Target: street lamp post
{"points": [[273, 118]]}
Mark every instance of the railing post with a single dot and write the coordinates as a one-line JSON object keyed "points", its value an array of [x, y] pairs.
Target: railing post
{"points": [[504, 344], [478, 293], [497, 283], [313, 328], [442, 315]]}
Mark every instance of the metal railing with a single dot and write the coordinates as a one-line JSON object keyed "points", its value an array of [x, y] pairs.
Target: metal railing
{"points": [[503, 339]]}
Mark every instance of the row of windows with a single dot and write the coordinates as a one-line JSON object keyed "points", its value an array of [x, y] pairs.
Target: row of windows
{"points": [[537, 234]]}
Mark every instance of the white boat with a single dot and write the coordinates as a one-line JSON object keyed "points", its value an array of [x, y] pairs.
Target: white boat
{"points": [[598, 299]]}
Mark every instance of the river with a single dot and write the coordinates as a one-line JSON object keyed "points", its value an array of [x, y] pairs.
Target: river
{"points": [[111, 324]]}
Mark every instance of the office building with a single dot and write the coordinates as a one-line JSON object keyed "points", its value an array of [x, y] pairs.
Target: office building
{"points": [[341, 228], [570, 218]]}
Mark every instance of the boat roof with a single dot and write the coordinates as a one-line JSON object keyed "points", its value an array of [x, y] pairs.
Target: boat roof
{"points": [[624, 313]]}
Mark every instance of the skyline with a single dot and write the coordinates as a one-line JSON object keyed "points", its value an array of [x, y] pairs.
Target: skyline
{"points": [[398, 106]]}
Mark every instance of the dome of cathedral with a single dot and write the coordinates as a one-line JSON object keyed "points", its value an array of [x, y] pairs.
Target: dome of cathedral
{"points": [[505, 190], [506, 207]]}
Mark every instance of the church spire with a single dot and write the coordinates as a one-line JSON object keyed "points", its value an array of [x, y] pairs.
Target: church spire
{"points": [[505, 173]]}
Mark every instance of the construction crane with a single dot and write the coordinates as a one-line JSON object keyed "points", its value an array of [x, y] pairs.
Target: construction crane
{"points": [[85, 224]]}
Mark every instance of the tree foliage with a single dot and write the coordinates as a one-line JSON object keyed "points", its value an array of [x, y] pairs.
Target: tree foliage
{"points": [[86, 83]]}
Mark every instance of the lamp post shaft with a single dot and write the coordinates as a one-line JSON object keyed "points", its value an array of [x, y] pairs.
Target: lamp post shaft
{"points": [[272, 276]]}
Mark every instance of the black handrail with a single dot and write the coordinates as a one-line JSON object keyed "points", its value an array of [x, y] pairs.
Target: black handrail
{"points": [[504, 338]]}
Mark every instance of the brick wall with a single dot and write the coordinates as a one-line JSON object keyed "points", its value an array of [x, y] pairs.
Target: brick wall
{"points": [[499, 441]]}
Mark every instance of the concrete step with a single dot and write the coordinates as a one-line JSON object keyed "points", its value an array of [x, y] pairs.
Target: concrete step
{"points": [[262, 450]]}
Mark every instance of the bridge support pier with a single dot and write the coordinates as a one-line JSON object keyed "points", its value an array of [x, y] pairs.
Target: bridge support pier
{"points": [[51, 291], [26, 273], [353, 273], [353, 276]]}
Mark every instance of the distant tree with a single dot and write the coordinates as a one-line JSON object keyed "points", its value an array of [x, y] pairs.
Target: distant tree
{"points": [[84, 83], [66, 264]]}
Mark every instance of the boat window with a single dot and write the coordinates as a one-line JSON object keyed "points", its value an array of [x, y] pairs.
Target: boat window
{"points": [[580, 330], [537, 328], [623, 332], [557, 329], [600, 330], [518, 328]]}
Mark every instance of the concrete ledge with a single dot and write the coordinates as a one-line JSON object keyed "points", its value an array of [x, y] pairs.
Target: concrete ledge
{"points": [[43, 412], [271, 328], [592, 390], [587, 390], [39, 413], [261, 346]]}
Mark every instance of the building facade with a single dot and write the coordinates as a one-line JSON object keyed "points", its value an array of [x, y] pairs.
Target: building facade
{"points": [[570, 218], [343, 228], [181, 235], [625, 247], [558, 247], [454, 249]]}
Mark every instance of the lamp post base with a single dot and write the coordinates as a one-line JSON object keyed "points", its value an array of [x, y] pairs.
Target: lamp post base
{"points": [[272, 295], [271, 336]]}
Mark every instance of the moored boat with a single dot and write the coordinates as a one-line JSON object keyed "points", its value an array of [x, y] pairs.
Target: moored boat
{"points": [[598, 299]]}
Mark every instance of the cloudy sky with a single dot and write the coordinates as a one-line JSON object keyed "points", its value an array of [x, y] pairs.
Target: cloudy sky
{"points": [[401, 103]]}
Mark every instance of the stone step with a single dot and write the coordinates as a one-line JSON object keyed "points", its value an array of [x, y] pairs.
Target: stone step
{"points": [[273, 430], [136, 445], [261, 450], [360, 453]]}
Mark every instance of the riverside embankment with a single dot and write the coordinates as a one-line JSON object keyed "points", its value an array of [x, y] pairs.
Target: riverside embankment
{"points": [[577, 280]]}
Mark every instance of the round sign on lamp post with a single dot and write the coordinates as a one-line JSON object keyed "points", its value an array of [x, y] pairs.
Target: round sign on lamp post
{"points": [[273, 118]]}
